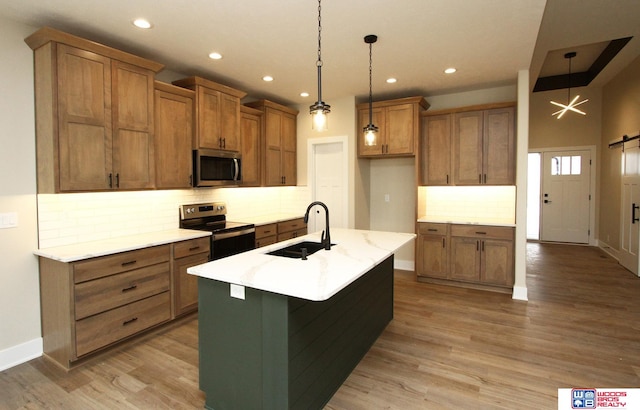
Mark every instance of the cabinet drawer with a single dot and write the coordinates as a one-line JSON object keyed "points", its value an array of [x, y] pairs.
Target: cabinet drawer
{"points": [[291, 225], [266, 240], [101, 330], [263, 231], [429, 228], [482, 231], [291, 234], [191, 247], [121, 262], [106, 293]]}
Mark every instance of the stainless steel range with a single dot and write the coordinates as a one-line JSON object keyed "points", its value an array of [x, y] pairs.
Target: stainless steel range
{"points": [[228, 238]]}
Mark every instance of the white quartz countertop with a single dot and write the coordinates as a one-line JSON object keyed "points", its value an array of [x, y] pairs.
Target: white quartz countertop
{"points": [[467, 220], [86, 250], [321, 276]]}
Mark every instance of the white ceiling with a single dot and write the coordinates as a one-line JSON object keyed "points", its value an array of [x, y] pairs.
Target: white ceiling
{"points": [[488, 41]]}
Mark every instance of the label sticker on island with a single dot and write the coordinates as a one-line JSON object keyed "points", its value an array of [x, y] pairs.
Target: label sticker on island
{"points": [[236, 291]]}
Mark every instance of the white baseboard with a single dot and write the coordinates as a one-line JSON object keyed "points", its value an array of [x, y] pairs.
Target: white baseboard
{"points": [[520, 293], [21, 353], [608, 249], [403, 264]]}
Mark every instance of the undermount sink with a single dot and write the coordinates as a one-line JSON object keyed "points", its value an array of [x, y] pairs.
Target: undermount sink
{"points": [[298, 250]]}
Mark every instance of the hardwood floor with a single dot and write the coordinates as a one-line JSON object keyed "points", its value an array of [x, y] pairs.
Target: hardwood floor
{"points": [[446, 348]]}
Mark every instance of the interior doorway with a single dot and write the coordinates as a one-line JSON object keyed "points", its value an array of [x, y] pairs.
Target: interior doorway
{"points": [[559, 205], [328, 181]]}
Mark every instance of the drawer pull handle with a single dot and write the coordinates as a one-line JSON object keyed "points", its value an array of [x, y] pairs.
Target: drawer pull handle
{"points": [[432, 230], [126, 322], [193, 248], [267, 231], [481, 233], [132, 287], [128, 263]]}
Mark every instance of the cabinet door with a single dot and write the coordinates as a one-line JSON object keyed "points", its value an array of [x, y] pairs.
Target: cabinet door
{"points": [[173, 139], [400, 129], [465, 259], [230, 122], [84, 119], [497, 262], [377, 115], [467, 148], [186, 285], [250, 126], [208, 125], [499, 147], [434, 258], [133, 156], [273, 147], [289, 149], [436, 158]]}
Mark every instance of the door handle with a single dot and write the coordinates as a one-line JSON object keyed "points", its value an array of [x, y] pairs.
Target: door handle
{"points": [[633, 213], [546, 201]]}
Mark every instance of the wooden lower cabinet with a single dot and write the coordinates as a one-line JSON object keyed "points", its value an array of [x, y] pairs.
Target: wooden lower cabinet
{"points": [[266, 234], [185, 286], [473, 255], [91, 304], [291, 229]]}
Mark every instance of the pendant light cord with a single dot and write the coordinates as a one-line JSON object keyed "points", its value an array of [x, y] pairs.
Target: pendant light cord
{"points": [[370, 87], [319, 62]]}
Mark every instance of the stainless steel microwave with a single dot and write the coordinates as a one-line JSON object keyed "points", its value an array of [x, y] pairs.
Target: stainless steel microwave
{"points": [[216, 168]]}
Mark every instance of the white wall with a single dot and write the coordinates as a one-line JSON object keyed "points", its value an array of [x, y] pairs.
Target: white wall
{"points": [[19, 285]]}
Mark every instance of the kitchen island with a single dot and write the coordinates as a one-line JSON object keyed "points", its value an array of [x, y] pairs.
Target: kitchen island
{"points": [[284, 333]]}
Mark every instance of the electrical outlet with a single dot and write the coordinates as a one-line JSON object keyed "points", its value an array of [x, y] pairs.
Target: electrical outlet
{"points": [[386, 197]]}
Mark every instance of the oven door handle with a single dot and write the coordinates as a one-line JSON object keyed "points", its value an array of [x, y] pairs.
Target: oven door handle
{"points": [[232, 234]]}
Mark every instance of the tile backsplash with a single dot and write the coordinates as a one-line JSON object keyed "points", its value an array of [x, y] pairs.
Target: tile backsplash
{"points": [[65, 219], [470, 204]]}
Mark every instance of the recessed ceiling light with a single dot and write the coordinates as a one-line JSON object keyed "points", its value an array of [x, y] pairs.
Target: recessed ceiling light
{"points": [[267, 78], [304, 94], [391, 80], [450, 70], [142, 23], [215, 56]]}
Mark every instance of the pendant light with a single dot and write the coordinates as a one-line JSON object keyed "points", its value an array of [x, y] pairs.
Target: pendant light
{"points": [[319, 110], [571, 104], [370, 131]]}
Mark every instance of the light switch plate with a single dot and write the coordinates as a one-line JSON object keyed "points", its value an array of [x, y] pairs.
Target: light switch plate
{"points": [[8, 220], [236, 291]]}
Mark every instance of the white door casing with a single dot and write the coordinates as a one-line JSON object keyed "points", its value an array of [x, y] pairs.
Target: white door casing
{"points": [[566, 196], [328, 180]]}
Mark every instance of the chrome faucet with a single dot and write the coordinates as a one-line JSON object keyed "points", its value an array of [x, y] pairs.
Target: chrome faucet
{"points": [[325, 240]]}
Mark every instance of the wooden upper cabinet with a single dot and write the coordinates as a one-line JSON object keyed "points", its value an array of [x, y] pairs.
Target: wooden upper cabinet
{"points": [[250, 134], [132, 110], [217, 114], [469, 146], [94, 115], [499, 146], [84, 137], [279, 146], [173, 136], [436, 150], [398, 126]]}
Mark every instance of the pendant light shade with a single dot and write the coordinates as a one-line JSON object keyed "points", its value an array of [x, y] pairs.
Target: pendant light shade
{"points": [[319, 109], [571, 104], [370, 131]]}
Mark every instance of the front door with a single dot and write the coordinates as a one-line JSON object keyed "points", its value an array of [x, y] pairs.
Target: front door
{"points": [[630, 212], [566, 196]]}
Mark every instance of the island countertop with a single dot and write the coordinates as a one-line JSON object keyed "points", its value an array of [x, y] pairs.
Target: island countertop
{"points": [[319, 277]]}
